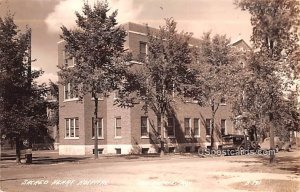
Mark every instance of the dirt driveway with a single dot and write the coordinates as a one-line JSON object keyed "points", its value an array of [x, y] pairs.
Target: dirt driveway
{"points": [[171, 173]]}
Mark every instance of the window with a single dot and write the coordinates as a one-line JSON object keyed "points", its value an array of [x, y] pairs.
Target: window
{"points": [[187, 149], [187, 127], [143, 50], [143, 92], [208, 126], [69, 92], [158, 126], [116, 95], [99, 127], [223, 101], [223, 126], [196, 127], [68, 61], [118, 151], [145, 150], [72, 128], [100, 151], [118, 127], [144, 127], [171, 127]]}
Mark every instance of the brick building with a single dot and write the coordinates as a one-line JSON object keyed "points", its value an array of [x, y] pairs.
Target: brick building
{"points": [[130, 130]]}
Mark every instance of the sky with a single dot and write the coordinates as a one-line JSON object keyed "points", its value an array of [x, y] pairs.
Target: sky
{"points": [[45, 17]]}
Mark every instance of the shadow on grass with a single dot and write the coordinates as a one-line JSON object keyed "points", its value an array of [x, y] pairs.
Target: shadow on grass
{"points": [[50, 160], [284, 163], [43, 159]]}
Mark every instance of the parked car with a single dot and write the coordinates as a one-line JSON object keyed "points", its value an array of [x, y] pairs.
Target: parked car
{"points": [[279, 144], [237, 142]]}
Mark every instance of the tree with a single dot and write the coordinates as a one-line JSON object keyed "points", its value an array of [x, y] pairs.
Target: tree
{"points": [[217, 69], [163, 75], [274, 37], [22, 105], [97, 44], [53, 106]]}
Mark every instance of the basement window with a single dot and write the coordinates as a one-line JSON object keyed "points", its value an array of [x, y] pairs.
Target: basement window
{"points": [[118, 151]]}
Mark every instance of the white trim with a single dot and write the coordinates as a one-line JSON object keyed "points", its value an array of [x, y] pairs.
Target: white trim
{"points": [[99, 99], [68, 100], [73, 59], [126, 148], [71, 138], [136, 62], [61, 41], [138, 33]]}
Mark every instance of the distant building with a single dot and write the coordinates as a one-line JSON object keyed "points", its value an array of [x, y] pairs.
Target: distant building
{"points": [[124, 131]]}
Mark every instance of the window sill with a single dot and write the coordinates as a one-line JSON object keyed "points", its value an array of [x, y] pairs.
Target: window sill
{"points": [[68, 100], [99, 138], [207, 136], [118, 137], [99, 99], [192, 102], [188, 136], [136, 62], [71, 138], [197, 136], [69, 66], [171, 137], [145, 137], [223, 104]]}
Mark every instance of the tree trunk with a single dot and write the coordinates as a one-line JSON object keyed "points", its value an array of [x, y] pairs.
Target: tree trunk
{"points": [[162, 134], [272, 143], [212, 139], [18, 150], [95, 128]]}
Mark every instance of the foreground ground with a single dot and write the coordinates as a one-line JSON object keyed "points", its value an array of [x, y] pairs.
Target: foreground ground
{"points": [[50, 172]]}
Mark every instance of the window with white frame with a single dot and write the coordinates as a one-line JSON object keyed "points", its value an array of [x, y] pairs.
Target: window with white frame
{"points": [[118, 127], [187, 127], [144, 126], [72, 128], [99, 128], [171, 127], [223, 126], [196, 127], [208, 126], [69, 92]]}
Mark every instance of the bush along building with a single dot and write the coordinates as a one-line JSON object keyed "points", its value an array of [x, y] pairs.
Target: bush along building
{"points": [[131, 130]]}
